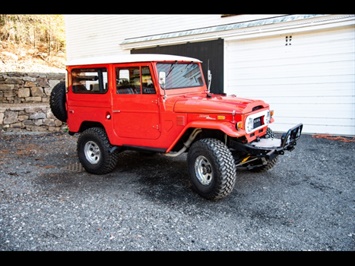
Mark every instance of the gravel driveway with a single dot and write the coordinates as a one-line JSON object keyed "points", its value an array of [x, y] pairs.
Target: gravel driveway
{"points": [[48, 203]]}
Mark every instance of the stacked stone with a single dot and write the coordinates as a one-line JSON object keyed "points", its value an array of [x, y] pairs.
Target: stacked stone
{"points": [[24, 102]]}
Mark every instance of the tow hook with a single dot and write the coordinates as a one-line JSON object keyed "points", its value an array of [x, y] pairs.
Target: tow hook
{"points": [[274, 153], [280, 151]]}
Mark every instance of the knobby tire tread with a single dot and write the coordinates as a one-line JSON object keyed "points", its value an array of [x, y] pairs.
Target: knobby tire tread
{"points": [[109, 160], [57, 101], [225, 176]]}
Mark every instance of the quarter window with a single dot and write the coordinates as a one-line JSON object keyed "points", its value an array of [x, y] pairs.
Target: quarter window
{"points": [[89, 80]]}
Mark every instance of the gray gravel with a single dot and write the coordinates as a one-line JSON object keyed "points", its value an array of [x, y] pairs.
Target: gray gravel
{"points": [[48, 203]]}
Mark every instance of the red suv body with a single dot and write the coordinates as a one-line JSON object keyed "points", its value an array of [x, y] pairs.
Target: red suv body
{"points": [[161, 103]]}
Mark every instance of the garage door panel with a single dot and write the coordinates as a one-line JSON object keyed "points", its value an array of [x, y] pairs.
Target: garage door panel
{"points": [[295, 63], [302, 75], [297, 56], [309, 101], [313, 79], [341, 80], [304, 67], [343, 112], [310, 121], [310, 128], [311, 43], [290, 97], [288, 91]]}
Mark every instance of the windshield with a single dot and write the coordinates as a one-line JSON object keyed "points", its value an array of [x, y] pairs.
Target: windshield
{"points": [[181, 75]]}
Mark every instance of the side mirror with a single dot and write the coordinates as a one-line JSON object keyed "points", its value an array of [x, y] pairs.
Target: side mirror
{"points": [[209, 77], [162, 76]]}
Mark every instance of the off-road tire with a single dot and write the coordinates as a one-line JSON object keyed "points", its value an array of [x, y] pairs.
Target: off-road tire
{"points": [[57, 101], [94, 151], [270, 164], [211, 168], [269, 133]]}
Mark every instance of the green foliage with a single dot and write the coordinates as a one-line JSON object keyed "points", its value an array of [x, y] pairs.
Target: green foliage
{"points": [[42, 32]]}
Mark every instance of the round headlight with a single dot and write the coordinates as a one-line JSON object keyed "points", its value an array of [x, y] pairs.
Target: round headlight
{"points": [[249, 124]]}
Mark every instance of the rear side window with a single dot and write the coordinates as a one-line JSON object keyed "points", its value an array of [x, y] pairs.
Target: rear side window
{"points": [[89, 80]]}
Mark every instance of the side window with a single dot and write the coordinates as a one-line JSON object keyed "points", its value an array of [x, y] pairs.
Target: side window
{"points": [[128, 80], [134, 80], [147, 81], [89, 80]]}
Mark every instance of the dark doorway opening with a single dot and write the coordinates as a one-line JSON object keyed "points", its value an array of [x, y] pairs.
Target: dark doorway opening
{"points": [[209, 52]]}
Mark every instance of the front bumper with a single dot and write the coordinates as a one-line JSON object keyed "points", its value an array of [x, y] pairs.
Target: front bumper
{"points": [[272, 147]]}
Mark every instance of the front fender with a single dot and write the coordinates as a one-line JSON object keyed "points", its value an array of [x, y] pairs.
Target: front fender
{"points": [[226, 127]]}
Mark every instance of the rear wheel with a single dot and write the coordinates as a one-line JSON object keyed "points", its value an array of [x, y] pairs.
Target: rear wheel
{"points": [[94, 151], [211, 168]]}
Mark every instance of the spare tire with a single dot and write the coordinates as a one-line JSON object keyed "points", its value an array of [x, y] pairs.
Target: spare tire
{"points": [[57, 101]]}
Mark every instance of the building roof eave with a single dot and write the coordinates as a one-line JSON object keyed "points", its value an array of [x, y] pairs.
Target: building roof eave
{"points": [[238, 30]]}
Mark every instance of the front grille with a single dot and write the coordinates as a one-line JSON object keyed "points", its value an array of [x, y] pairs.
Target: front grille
{"points": [[257, 122]]}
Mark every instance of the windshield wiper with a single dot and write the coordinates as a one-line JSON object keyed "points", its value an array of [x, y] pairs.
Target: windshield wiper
{"points": [[171, 68], [187, 65]]}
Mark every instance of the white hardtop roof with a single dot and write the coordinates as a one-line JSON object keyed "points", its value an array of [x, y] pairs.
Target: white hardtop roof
{"points": [[129, 58]]}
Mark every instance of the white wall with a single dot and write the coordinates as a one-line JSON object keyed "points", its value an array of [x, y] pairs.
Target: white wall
{"points": [[310, 81], [90, 35]]}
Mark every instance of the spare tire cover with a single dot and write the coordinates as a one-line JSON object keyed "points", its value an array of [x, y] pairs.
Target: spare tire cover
{"points": [[57, 101]]}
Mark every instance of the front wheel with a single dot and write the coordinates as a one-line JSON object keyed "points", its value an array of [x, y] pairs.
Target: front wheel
{"points": [[94, 151], [211, 168]]}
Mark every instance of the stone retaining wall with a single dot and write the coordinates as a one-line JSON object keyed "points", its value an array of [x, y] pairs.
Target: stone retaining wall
{"points": [[24, 102]]}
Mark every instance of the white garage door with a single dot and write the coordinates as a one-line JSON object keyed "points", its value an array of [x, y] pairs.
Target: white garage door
{"points": [[305, 77]]}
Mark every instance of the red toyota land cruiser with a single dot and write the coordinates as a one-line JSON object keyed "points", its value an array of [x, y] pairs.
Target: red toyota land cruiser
{"points": [[161, 103]]}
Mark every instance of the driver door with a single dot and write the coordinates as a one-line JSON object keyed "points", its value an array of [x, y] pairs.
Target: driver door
{"points": [[135, 103]]}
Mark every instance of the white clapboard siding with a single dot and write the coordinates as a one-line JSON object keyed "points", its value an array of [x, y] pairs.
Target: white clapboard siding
{"points": [[310, 81], [90, 35]]}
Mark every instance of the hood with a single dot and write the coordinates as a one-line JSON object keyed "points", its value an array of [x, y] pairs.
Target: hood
{"points": [[216, 103]]}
